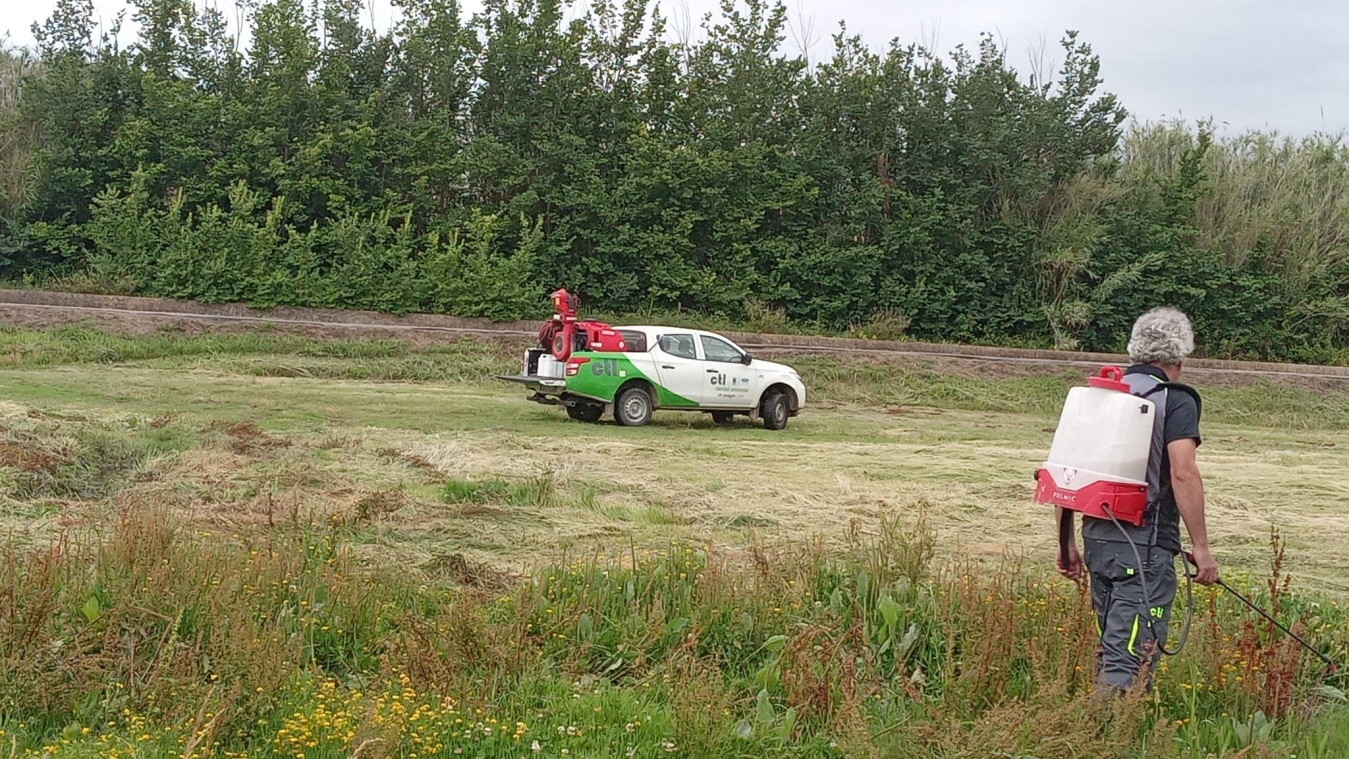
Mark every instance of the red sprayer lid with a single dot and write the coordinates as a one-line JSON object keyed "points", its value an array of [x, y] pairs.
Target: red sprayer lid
{"points": [[1109, 378]]}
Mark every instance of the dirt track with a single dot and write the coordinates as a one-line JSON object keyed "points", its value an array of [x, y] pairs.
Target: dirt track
{"points": [[151, 315]]}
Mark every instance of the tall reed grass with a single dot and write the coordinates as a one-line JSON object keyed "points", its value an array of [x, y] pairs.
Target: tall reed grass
{"points": [[1282, 196], [16, 136]]}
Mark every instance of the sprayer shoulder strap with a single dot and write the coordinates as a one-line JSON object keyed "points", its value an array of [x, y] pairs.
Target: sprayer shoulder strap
{"points": [[1164, 387], [1198, 402]]}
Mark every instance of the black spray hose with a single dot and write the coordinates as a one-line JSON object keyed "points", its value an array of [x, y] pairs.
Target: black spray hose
{"points": [[1065, 535], [1329, 664], [1147, 597], [1189, 613]]}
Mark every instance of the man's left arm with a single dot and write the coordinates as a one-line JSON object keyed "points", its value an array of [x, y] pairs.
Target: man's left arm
{"points": [[1188, 486], [1182, 442]]}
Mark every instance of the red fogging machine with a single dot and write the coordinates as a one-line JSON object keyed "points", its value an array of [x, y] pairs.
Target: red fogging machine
{"points": [[565, 333]]}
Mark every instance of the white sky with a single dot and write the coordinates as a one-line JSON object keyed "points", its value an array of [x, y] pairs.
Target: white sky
{"points": [[1248, 64]]}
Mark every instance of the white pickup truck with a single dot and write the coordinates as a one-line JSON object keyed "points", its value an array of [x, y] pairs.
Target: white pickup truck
{"points": [[665, 368]]}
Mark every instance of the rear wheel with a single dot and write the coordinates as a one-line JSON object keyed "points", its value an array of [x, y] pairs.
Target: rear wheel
{"points": [[722, 417], [775, 411], [586, 412], [633, 407]]}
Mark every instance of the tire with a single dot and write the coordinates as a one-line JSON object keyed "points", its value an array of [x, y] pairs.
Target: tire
{"points": [[586, 412], [723, 417], [775, 411], [632, 407]]}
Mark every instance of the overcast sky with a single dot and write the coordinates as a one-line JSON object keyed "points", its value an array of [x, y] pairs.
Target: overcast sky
{"points": [[1248, 64]]}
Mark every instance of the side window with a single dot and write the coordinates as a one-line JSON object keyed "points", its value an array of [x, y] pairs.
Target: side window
{"points": [[678, 345], [636, 341], [716, 349]]}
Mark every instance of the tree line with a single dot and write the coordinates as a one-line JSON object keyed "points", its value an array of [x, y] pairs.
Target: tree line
{"points": [[469, 164]]}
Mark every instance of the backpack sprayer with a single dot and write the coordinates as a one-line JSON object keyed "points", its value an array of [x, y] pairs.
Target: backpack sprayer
{"points": [[1098, 465]]}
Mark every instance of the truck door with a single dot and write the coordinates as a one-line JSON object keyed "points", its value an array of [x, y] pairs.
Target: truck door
{"points": [[681, 373], [729, 383]]}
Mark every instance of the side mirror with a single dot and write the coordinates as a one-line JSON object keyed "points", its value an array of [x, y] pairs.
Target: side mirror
{"points": [[745, 358]]}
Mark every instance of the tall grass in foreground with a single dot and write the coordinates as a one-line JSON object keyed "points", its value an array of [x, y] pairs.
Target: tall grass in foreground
{"points": [[153, 640]]}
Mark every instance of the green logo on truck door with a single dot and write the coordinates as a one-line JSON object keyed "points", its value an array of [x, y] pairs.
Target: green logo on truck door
{"points": [[608, 367], [602, 376]]}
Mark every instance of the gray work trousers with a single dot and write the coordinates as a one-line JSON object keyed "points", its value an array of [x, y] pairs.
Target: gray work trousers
{"points": [[1132, 632]]}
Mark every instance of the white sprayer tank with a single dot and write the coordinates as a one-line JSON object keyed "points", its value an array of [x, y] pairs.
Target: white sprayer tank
{"points": [[1103, 441]]}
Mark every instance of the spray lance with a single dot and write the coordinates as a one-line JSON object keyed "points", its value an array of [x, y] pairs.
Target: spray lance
{"points": [[1331, 669], [1330, 665]]}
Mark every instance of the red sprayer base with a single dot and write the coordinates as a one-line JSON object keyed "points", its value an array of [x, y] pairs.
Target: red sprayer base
{"points": [[1087, 493]]}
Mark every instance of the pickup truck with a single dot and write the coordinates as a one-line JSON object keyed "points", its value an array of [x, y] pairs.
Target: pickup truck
{"points": [[664, 368]]}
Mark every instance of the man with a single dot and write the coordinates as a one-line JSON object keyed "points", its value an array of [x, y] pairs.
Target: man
{"points": [[1133, 629]]}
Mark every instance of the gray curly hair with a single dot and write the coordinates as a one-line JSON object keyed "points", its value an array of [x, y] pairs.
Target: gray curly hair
{"points": [[1161, 336]]}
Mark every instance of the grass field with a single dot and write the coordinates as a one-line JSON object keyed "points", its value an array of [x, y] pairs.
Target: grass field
{"points": [[248, 538]]}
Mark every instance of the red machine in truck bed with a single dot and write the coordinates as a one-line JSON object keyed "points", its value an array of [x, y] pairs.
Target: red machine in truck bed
{"points": [[564, 334]]}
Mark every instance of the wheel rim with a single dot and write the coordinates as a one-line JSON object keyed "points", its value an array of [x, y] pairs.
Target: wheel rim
{"points": [[779, 413], [634, 407]]}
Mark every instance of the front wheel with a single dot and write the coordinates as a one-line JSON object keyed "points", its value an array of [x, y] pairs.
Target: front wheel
{"points": [[586, 412], [775, 411], [723, 417], [633, 408]]}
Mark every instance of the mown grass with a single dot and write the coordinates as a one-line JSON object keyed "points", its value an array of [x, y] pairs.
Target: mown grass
{"points": [[874, 437], [287, 355], [830, 380]]}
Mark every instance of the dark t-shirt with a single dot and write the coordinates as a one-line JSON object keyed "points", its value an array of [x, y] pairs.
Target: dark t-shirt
{"points": [[1181, 422]]}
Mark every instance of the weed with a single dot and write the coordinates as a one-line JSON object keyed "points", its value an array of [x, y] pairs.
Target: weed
{"points": [[458, 569], [247, 438], [765, 319], [88, 462], [539, 491], [465, 491], [883, 325], [96, 284]]}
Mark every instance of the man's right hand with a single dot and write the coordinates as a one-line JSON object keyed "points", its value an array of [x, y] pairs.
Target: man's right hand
{"points": [[1206, 568], [1074, 569]]}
